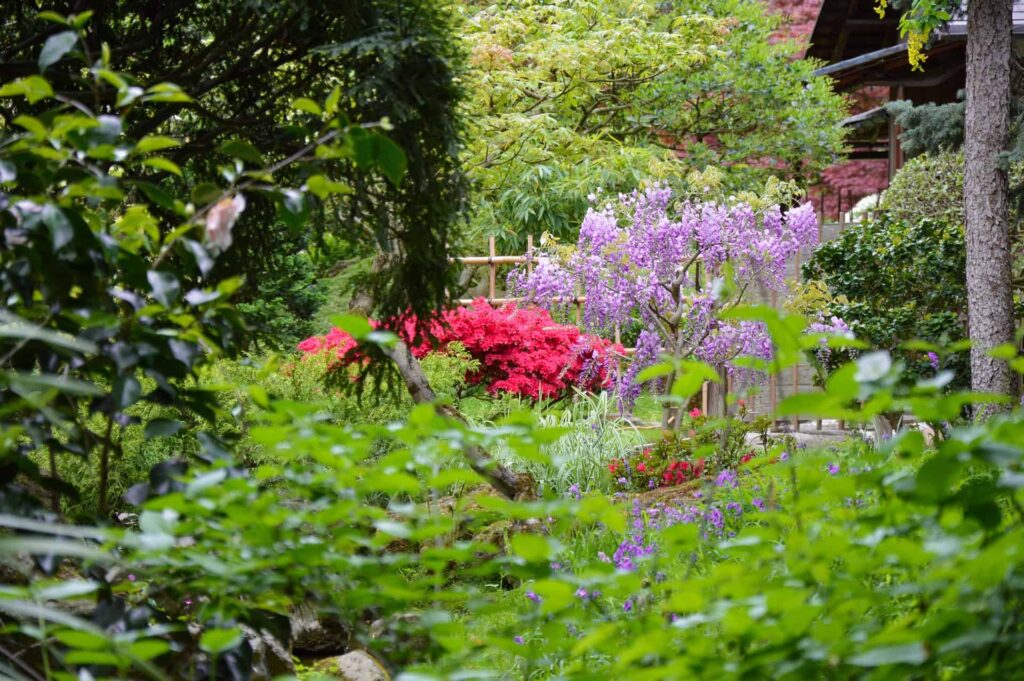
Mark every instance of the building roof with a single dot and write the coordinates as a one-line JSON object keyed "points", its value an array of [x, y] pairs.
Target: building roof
{"points": [[846, 29]]}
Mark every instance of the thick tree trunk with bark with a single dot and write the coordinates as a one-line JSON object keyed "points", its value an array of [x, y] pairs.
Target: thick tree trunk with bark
{"points": [[986, 211]]}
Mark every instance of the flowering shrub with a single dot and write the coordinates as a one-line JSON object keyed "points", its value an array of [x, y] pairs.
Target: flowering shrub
{"points": [[642, 258], [698, 450], [521, 351]]}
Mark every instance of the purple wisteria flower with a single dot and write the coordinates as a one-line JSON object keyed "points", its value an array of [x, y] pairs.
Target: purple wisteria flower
{"points": [[519, 639], [833, 469], [758, 503], [534, 597], [574, 491], [628, 605], [933, 359], [629, 261]]}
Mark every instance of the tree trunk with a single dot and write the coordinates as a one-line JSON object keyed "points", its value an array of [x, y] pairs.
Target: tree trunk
{"points": [[986, 211]]}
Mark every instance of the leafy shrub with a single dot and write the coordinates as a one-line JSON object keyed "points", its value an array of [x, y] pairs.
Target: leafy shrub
{"points": [[893, 282], [576, 462], [520, 351], [702, 447]]}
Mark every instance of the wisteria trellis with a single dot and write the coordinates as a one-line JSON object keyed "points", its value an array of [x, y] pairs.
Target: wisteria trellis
{"points": [[644, 257]]}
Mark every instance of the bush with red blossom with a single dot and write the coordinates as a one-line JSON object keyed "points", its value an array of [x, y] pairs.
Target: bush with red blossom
{"points": [[521, 351]]}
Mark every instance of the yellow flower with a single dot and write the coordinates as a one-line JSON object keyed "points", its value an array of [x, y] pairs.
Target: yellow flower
{"points": [[915, 51], [880, 8]]}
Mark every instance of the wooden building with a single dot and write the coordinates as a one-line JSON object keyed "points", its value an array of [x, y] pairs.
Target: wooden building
{"points": [[865, 56]]}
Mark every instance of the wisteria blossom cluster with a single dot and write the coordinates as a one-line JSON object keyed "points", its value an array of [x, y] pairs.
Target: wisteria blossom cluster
{"points": [[835, 327], [644, 258]]}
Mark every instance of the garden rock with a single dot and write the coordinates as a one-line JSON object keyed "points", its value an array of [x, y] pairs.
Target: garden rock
{"points": [[357, 665], [269, 656], [313, 635]]}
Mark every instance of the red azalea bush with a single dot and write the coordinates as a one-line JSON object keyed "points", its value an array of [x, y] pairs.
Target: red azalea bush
{"points": [[522, 351]]}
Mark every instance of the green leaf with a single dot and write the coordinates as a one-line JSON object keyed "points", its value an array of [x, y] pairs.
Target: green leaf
{"points": [[532, 548], [654, 371], [217, 641], [72, 588], [165, 286], [391, 160], [55, 47], [12, 326], [81, 640], [331, 104], [126, 391], [162, 428], [206, 192], [147, 649], [910, 653], [308, 105], [151, 143], [54, 17], [61, 230], [32, 88], [237, 148], [63, 384], [161, 163], [354, 325], [322, 186]]}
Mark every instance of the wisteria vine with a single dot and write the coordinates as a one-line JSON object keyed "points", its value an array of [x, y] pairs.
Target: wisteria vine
{"points": [[642, 257]]}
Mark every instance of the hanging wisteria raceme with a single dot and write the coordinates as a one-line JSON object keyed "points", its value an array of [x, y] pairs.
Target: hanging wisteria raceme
{"points": [[644, 258]]}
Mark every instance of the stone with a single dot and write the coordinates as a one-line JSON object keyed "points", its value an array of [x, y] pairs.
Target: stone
{"points": [[313, 635], [357, 665], [269, 656]]}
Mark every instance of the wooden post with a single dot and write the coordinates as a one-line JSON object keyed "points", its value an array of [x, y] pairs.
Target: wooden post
{"points": [[704, 398], [492, 287], [529, 254]]}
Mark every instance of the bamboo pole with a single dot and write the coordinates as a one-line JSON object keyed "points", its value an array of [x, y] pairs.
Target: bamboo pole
{"points": [[492, 283], [529, 254]]}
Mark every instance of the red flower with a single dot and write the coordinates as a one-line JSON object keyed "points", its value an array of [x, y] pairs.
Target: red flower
{"points": [[521, 350], [746, 457], [641, 467], [695, 413]]}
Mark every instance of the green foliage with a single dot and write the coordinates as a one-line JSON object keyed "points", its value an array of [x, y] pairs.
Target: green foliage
{"points": [[110, 296], [901, 562], [567, 99], [894, 282], [263, 76], [590, 438], [928, 187]]}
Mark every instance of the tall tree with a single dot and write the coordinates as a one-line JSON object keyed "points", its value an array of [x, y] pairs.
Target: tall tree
{"points": [[569, 98], [986, 208], [986, 205], [257, 73]]}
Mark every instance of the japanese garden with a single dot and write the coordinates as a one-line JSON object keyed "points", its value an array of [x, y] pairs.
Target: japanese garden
{"points": [[511, 339]]}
